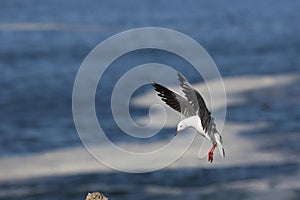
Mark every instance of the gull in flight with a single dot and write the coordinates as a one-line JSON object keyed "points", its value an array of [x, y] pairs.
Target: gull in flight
{"points": [[193, 107]]}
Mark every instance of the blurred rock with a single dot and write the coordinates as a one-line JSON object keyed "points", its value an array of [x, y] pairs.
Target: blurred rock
{"points": [[96, 196]]}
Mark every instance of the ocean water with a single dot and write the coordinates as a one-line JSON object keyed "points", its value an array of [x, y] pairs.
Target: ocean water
{"points": [[42, 44]]}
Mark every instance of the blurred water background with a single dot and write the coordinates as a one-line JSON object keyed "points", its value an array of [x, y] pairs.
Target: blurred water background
{"points": [[42, 44]]}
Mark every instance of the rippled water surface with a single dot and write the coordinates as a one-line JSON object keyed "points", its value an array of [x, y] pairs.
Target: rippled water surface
{"points": [[42, 44]]}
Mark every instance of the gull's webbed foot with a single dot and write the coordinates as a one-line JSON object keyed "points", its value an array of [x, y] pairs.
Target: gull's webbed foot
{"points": [[211, 153]]}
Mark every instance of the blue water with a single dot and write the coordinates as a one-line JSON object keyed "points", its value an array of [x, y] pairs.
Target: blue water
{"points": [[42, 44]]}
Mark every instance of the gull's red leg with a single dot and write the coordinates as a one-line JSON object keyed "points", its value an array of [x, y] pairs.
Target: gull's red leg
{"points": [[211, 153]]}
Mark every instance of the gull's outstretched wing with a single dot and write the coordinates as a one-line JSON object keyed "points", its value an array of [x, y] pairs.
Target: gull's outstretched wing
{"points": [[197, 101], [174, 100]]}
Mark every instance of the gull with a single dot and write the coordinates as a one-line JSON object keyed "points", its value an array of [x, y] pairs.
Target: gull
{"points": [[197, 116]]}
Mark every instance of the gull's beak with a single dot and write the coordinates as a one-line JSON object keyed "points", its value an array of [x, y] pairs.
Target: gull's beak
{"points": [[176, 133]]}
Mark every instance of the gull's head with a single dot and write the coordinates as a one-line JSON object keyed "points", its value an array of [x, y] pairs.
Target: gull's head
{"points": [[181, 126]]}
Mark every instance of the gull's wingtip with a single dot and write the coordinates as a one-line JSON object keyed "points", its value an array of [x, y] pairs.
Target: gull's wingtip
{"points": [[182, 80], [223, 151], [157, 87], [180, 76], [154, 84]]}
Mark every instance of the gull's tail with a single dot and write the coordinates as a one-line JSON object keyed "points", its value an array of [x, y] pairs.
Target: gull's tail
{"points": [[219, 144]]}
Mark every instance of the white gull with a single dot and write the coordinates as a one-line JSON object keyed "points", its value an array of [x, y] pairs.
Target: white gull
{"points": [[197, 115]]}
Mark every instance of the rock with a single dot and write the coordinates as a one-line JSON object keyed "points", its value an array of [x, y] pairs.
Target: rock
{"points": [[96, 196]]}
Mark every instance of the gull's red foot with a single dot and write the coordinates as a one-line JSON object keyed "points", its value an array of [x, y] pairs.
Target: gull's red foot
{"points": [[211, 154]]}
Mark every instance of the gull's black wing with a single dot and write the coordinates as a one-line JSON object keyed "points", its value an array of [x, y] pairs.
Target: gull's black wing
{"points": [[174, 100]]}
